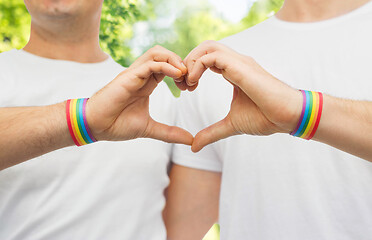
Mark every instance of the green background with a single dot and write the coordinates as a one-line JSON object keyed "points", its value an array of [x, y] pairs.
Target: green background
{"points": [[193, 24]]}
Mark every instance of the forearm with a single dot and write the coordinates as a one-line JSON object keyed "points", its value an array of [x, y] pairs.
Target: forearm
{"points": [[347, 125], [28, 132], [192, 203]]}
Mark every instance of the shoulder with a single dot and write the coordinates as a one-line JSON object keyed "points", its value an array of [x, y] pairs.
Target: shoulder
{"points": [[7, 57], [9, 53], [112, 68], [8, 71], [115, 66], [7, 62]]}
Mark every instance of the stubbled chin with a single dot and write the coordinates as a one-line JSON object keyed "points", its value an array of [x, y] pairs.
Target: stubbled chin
{"points": [[61, 8]]}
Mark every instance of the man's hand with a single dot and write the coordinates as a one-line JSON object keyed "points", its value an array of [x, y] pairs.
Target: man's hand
{"points": [[120, 111], [261, 105]]}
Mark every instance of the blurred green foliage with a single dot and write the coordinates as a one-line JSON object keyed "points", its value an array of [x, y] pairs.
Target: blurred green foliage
{"points": [[14, 24], [116, 28], [195, 25], [191, 26], [260, 11]]}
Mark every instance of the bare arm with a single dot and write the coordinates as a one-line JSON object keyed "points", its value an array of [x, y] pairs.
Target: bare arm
{"points": [[118, 112], [346, 125], [192, 203], [28, 132]]}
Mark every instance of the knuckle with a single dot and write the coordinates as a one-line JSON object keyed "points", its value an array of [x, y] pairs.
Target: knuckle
{"points": [[171, 134], [161, 67], [200, 61], [209, 42], [176, 57], [249, 60], [153, 65], [149, 67], [158, 52], [157, 48], [153, 50]]}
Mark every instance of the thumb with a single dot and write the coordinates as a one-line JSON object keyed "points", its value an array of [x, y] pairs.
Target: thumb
{"points": [[168, 134], [213, 133]]}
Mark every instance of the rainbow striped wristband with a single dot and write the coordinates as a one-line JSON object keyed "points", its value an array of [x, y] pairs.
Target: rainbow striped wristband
{"points": [[77, 123], [312, 107]]}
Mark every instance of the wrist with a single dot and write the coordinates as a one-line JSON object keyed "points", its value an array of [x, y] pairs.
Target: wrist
{"points": [[295, 109], [287, 110], [312, 106], [58, 125], [77, 122]]}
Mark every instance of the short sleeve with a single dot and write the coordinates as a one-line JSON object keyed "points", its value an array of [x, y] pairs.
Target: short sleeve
{"points": [[196, 110]]}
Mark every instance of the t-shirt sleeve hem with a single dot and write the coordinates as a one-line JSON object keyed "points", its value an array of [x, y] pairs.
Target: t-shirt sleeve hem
{"points": [[201, 164]]}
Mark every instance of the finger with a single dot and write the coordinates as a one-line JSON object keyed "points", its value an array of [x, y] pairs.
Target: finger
{"points": [[142, 74], [171, 58], [181, 85], [216, 70], [213, 133], [159, 77], [204, 48], [161, 54], [235, 93], [168, 134], [149, 68], [216, 59], [181, 79], [148, 88], [192, 88]]}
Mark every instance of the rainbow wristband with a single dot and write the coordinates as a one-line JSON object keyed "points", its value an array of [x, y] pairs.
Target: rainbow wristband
{"points": [[77, 123], [312, 107]]}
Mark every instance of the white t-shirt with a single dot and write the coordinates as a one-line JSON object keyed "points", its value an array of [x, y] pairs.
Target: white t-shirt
{"points": [[106, 190], [281, 187]]}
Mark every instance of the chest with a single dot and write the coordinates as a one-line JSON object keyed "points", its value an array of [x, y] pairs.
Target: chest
{"points": [[337, 61], [130, 163]]}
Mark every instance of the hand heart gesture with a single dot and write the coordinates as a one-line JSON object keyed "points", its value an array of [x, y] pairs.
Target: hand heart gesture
{"points": [[120, 111], [261, 105]]}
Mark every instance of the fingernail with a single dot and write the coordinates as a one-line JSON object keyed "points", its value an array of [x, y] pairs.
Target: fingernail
{"points": [[190, 84], [184, 70], [178, 80]]}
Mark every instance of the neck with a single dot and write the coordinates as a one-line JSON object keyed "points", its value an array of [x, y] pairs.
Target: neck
{"points": [[316, 10], [67, 40]]}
